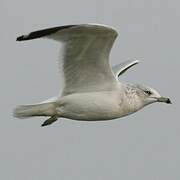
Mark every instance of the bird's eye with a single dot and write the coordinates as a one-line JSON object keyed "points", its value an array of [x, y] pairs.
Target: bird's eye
{"points": [[148, 92]]}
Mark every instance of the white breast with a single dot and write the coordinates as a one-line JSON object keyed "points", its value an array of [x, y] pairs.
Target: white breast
{"points": [[90, 106]]}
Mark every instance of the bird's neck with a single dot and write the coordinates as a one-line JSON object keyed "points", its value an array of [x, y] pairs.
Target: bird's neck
{"points": [[132, 99]]}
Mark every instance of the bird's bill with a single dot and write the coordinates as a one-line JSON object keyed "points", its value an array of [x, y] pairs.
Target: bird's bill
{"points": [[164, 99]]}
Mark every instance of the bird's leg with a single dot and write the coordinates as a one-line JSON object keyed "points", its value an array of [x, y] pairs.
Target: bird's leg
{"points": [[49, 121]]}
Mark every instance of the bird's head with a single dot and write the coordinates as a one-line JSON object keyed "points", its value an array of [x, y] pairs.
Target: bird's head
{"points": [[149, 95]]}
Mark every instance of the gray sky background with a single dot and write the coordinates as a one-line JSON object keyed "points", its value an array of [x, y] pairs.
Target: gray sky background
{"points": [[142, 146]]}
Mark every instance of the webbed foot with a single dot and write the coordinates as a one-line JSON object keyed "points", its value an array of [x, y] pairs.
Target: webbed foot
{"points": [[49, 121]]}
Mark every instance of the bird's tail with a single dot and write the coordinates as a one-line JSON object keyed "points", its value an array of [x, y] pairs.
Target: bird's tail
{"points": [[25, 111]]}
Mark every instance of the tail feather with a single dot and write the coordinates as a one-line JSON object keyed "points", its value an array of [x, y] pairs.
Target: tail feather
{"points": [[25, 111]]}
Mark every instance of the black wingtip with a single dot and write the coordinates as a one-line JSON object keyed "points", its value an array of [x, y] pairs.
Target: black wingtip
{"points": [[43, 32], [20, 38]]}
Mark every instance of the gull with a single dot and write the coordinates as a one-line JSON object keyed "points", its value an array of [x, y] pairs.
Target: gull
{"points": [[91, 88]]}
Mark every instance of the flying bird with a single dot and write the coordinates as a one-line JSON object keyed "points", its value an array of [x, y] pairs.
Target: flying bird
{"points": [[91, 88]]}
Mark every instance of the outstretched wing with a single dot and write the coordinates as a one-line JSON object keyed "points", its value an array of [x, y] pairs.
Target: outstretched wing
{"points": [[122, 67], [85, 57]]}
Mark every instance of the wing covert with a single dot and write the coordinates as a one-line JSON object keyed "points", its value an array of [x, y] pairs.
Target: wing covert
{"points": [[84, 60]]}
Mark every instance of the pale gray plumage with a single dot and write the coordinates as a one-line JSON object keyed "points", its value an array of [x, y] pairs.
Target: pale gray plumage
{"points": [[122, 67], [91, 88]]}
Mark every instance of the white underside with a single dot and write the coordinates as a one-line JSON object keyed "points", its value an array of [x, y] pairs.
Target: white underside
{"points": [[95, 106]]}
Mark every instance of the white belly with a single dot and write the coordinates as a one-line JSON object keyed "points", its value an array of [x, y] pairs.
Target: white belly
{"points": [[90, 106]]}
